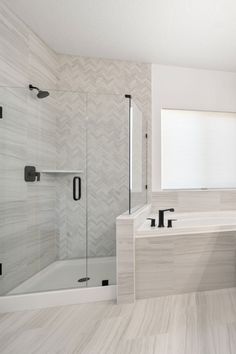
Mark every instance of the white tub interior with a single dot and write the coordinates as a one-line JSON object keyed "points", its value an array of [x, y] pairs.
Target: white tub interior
{"points": [[192, 222]]}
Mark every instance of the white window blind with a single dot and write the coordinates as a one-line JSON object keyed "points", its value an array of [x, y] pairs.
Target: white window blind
{"points": [[198, 149]]}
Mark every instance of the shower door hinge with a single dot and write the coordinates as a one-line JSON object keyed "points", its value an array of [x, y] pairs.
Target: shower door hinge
{"points": [[146, 136], [146, 186], [0, 111], [0, 269]]}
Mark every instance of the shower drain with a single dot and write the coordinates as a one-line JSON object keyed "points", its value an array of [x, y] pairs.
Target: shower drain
{"points": [[81, 280]]}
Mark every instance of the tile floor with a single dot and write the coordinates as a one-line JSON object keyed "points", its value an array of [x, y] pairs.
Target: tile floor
{"points": [[196, 323]]}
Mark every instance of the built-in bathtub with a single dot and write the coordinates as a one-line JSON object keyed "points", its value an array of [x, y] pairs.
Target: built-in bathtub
{"points": [[190, 223], [198, 253]]}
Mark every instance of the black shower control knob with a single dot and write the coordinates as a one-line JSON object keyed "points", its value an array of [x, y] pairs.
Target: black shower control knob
{"points": [[153, 222]]}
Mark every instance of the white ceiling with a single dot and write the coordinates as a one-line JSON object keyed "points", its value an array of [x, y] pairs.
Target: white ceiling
{"points": [[193, 33]]}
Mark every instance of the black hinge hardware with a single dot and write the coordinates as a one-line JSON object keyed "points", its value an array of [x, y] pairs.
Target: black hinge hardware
{"points": [[146, 136], [0, 111], [0, 269], [146, 186]]}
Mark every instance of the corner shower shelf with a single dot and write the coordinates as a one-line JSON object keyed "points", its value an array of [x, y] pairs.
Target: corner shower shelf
{"points": [[60, 172]]}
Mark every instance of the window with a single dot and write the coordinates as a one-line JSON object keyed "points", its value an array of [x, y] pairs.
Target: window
{"points": [[198, 149]]}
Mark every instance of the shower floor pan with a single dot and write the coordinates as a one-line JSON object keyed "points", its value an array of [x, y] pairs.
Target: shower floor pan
{"points": [[61, 275]]}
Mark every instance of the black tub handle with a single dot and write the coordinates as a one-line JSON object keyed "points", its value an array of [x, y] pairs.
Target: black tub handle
{"points": [[76, 188]]}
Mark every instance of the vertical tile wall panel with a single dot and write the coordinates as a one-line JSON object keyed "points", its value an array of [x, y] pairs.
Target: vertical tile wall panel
{"points": [[27, 137], [14, 49]]}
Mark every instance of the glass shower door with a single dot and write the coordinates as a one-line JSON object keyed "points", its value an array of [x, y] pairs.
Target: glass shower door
{"points": [[107, 182], [71, 206]]}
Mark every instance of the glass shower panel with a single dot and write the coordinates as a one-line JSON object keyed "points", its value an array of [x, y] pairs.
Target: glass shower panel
{"points": [[137, 160], [107, 182]]}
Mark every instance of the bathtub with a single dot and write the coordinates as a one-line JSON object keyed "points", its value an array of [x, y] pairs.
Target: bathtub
{"points": [[192, 222], [197, 254]]}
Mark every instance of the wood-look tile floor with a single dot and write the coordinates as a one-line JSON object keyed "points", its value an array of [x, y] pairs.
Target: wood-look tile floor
{"points": [[197, 323]]}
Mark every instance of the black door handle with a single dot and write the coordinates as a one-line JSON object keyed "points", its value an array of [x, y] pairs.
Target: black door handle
{"points": [[76, 188]]}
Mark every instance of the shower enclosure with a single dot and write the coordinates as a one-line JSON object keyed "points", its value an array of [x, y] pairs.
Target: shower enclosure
{"points": [[70, 163]]}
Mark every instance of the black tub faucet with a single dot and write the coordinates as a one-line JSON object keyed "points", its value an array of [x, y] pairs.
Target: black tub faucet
{"points": [[161, 216]]}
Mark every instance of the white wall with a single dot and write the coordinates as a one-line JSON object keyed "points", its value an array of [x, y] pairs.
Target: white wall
{"points": [[185, 88]]}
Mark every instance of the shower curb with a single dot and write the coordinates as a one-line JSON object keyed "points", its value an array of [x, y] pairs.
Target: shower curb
{"points": [[42, 300]]}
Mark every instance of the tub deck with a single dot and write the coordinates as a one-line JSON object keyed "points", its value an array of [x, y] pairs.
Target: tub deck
{"points": [[190, 223]]}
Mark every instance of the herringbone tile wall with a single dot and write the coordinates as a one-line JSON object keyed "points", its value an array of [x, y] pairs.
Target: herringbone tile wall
{"points": [[105, 82]]}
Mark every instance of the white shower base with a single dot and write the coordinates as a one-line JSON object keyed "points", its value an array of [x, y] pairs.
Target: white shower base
{"points": [[65, 274], [57, 285]]}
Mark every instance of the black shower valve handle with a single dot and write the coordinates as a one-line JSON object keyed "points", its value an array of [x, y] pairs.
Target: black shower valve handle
{"points": [[31, 175], [153, 222]]}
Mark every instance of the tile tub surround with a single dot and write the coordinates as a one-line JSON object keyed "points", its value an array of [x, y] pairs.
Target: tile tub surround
{"points": [[177, 264], [126, 226], [154, 262]]}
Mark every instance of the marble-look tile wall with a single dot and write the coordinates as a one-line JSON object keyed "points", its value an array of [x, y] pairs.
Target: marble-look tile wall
{"points": [[126, 226], [27, 136], [196, 200], [184, 263]]}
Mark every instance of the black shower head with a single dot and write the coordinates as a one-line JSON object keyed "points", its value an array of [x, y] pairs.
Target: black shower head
{"points": [[40, 94]]}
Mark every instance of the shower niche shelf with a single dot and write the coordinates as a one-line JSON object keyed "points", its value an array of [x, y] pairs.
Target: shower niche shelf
{"points": [[63, 172]]}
